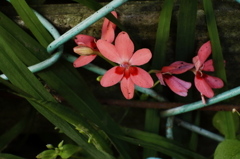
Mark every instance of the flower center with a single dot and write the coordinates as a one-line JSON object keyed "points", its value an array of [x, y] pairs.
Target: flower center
{"points": [[126, 65], [126, 69]]}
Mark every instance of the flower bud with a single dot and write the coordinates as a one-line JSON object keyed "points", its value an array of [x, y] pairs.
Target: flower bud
{"points": [[49, 146], [83, 50]]}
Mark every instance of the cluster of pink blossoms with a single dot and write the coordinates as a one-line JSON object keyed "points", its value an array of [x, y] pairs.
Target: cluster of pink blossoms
{"points": [[129, 75]]}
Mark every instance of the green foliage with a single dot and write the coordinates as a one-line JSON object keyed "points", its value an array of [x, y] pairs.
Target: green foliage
{"points": [[64, 151], [221, 121], [218, 61], [228, 149], [162, 35], [19, 75], [32, 22], [83, 119]]}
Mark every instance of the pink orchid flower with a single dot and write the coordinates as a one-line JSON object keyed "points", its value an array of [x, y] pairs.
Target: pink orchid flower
{"points": [[126, 73], [177, 85], [203, 82], [87, 44]]}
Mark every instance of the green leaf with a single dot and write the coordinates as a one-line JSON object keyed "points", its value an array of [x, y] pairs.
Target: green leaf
{"points": [[164, 145], [218, 63], [9, 156], [64, 79], [152, 146], [215, 42], [32, 22], [152, 124], [221, 121], [78, 121], [162, 35], [228, 149], [47, 154], [152, 118], [69, 150], [186, 31], [20, 76]]}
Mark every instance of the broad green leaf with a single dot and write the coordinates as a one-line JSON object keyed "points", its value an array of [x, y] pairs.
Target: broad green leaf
{"points": [[228, 149], [221, 121], [69, 150], [32, 22], [9, 156], [64, 79], [9, 135]]}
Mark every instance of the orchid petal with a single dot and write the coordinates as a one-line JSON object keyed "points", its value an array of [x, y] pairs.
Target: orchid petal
{"points": [[108, 29], [109, 35], [202, 86], [124, 46], [85, 40], [213, 82], [83, 60], [111, 77], [208, 66], [160, 78], [127, 88], [197, 62], [177, 67], [109, 51], [141, 57], [140, 77], [204, 52], [177, 85]]}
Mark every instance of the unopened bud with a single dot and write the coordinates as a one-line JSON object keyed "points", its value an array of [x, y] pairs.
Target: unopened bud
{"points": [[49, 146], [83, 50]]}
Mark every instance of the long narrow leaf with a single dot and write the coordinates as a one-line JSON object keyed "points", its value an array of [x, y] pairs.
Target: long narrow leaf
{"points": [[76, 120], [152, 120], [32, 22], [162, 35], [186, 31], [162, 142], [65, 80], [218, 62], [25, 80]]}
